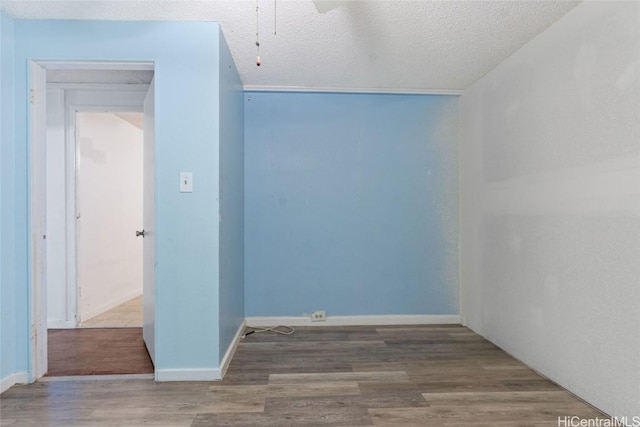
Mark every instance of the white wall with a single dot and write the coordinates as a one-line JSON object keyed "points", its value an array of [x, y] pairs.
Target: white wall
{"points": [[550, 204], [110, 206]]}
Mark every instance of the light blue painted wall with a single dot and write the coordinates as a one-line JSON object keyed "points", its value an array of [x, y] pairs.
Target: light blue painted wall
{"points": [[7, 214], [351, 204], [231, 198], [187, 132]]}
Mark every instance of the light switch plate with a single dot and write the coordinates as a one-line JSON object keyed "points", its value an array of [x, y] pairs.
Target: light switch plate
{"points": [[186, 182]]}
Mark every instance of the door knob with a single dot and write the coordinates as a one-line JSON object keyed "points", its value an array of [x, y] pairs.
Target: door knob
{"points": [[140, 233]]}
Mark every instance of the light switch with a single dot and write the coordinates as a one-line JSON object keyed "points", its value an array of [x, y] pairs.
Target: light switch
{"points": [[186, 182]]}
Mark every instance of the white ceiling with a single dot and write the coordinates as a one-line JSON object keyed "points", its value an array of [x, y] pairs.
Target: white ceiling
{"points": [[371, 45]]}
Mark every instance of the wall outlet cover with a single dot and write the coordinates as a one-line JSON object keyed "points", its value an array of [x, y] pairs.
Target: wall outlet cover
{"points": [[318, 316]]}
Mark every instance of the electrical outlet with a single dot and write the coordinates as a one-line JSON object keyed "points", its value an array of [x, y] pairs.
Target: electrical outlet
{"points": [[318, 316]]}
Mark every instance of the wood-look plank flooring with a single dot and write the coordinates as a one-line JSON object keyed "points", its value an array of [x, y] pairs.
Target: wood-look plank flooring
{"points": [[322, 376], [97, 351], [126, 315]]}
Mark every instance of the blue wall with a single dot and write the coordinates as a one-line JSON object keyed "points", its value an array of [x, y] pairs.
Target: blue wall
{"points": [[231, 199], [187, 132], [7, 209], [347, 202], [351, 204]]}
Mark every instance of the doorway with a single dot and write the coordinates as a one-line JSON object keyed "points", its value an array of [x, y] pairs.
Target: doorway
{"points": [[109, 194], [91, 262]]}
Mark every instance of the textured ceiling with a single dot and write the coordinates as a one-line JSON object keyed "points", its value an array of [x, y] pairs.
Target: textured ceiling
{"points": [[371, 45]]}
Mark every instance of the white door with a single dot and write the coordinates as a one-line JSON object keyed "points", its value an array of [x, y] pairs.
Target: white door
{"points": [[148, 188]]}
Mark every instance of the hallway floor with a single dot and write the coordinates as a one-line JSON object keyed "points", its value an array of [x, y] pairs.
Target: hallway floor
{"points": [[126, 315], [97, 351]]}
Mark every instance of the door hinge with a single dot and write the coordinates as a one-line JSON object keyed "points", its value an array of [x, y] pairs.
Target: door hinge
{"points": [[32, 96]]}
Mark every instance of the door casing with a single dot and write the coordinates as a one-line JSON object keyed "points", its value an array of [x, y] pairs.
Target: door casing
{"points": [[37, 199]]}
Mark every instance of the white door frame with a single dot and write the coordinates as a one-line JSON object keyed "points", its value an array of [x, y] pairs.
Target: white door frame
{"points": [[37, 220], [73, 98], [37, 198]]}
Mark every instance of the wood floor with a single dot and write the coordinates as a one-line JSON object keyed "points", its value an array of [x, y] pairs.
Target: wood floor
{"points": [[104, 351], [333, 376], [126, 315]]}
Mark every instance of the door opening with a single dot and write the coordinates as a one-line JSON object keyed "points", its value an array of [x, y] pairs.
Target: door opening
{"points": [[109, 195], [75, 262]]}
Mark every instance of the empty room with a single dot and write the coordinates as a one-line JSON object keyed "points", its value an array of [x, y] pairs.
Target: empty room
{"points": [[333, 213]]}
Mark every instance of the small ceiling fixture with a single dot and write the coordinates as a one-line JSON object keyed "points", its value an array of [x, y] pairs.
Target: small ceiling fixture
{"points": [[275, 15], [258, 62]]}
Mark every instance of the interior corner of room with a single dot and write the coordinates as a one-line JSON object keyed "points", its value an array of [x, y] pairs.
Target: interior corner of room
{"points": [[509, 203]]}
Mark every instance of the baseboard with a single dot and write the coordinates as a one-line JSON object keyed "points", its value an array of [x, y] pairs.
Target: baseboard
{"points": [[400, 319], [226, 360], [10, 380], [109, 305], [211, 374], [61, 324]]}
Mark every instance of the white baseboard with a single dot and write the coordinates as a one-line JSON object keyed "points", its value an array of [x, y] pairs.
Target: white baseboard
{"points": [[210, 374], [226, 360], [382, 320], [10, 380], [109, 305], [61, 324]]}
